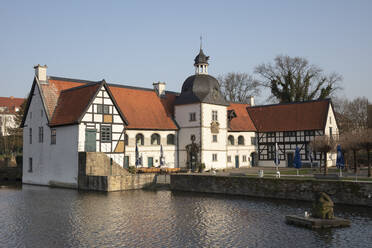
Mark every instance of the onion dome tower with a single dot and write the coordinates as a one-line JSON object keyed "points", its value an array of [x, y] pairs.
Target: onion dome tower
{"points": [[201, 87]]}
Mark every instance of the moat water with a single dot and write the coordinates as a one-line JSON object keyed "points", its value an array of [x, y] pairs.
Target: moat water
{"points": [[32, 216]]}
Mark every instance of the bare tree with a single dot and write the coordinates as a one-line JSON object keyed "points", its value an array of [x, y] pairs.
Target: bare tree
{"points": [[351, 115], [238, 87], [366, 143], [293, 79], [323, 144], [354, 145]]}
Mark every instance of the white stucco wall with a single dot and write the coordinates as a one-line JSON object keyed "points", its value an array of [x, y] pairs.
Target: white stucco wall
{"points": [[6, 122], [331, 123], [241, 150], [208, 146], [51, 164], [147, 150], [187, 128]]}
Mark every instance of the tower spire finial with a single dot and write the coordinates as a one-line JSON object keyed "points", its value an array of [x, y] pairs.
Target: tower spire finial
{"points": [[201, 41]]}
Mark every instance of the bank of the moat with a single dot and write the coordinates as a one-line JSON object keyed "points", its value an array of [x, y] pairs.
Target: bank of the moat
{"points": [[351, 193]]}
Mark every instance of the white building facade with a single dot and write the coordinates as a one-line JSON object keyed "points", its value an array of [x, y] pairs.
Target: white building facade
{"points": [[153, 127]]}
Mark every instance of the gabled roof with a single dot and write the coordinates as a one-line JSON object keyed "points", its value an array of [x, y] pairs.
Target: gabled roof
{"points": [[311, 115], [72, 103], [144, 109], [66, 100], [52, 90], [242, 122], [8, 105]]}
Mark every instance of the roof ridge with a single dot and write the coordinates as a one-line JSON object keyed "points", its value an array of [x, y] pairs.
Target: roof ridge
{"points": [[109, 84], [72, 80], [291, 103], [138, 88], [80, 86]]}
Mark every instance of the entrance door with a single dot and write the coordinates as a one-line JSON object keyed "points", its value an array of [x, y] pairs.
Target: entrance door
{"points": [[253, 159], [150, 162], [193, 160], [289, 159], [236, 161], [90, 140]]}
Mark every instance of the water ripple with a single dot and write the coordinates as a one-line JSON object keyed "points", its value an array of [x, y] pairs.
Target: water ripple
{"points": [[44, 217]]}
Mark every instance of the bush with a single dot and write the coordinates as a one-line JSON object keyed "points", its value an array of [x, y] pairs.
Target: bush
{"points": [[132, 169], [201, 167]]}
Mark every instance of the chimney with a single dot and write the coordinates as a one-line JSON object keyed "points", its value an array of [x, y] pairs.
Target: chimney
{"points": [[40, 73], [159, 88], [251, 101]]}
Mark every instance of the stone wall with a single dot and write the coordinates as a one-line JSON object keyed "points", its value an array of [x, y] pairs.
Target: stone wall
{"points": [[295, 189], [98, 172]]}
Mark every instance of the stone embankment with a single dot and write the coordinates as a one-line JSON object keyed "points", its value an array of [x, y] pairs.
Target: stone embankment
{"points": [[352, 193], [98, 172]]}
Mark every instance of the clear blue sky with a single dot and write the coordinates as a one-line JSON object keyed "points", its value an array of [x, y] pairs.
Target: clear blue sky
{"points": [[139, 42]]}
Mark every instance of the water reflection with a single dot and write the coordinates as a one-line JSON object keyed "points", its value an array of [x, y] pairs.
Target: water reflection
{"points": [[34, 216]]}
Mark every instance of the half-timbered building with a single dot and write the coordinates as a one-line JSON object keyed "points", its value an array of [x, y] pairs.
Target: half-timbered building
{"points": [[292, 125], [151, 126]]}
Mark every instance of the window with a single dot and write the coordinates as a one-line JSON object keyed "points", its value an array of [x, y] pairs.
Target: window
{"points": [[99, 108], [214, 115], [253, 141], [330, 120], [244, 158], [309, 133], [155, 139], [41, 113], [29, 164], [271, 152], [53, 136], [30, 115], [103, 109], [240, 140], [214, 157], [228, 158], [126, 141], [41, 134], [214, 138], [230, 140], [139, 139], [106, 109], [30, 135], [330, 131], [290, 134], [126, 161], [193, 116], [270, 135], [170, 139], [105, 134]]}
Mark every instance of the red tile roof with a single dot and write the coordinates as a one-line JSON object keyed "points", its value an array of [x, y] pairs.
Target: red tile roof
{"points": [[242, 121], [72, 103], [290, 117], [10, 103], [52, 91], [142, 108]]}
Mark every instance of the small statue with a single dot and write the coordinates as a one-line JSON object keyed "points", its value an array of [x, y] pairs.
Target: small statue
{"points": [[323, 206]]}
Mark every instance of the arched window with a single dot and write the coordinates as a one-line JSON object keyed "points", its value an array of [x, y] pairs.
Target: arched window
{"points": [[155, 139], [126, 139], [231, 140], [139, 139], [170, 139], [240, 140]]}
